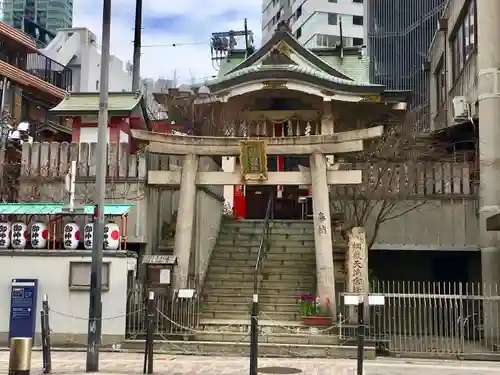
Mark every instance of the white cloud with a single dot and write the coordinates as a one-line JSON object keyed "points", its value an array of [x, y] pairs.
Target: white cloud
{"points": [[187, 23]]}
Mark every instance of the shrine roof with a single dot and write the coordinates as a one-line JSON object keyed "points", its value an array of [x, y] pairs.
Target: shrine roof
{"points": [[283, 38], [85, 103], [287, 71]]}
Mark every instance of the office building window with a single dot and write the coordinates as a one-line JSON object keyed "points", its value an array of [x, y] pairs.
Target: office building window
{"points": [[357, 20], [464, 40], [332, 18], [358, 1]]}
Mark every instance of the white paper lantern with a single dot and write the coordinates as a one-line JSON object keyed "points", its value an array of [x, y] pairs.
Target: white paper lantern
{"points": [[71, 236], [88, 236], [19, 235], [111, 236], [39, 235], [5, 229]]}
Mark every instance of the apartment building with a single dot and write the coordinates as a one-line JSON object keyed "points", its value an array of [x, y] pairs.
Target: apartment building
{"points": [[47, 14], [317, 23]]}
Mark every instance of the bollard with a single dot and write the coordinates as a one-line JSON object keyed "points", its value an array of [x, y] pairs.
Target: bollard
{"points": [[20, 356], [45, 327], [254, 335], [150, 324]]}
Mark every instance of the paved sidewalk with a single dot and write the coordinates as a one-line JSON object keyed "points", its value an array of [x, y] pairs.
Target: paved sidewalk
{"points": [[129, 363]]}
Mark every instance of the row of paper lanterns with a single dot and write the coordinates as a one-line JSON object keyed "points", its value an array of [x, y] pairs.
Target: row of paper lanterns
{"points": [[16, 236]]}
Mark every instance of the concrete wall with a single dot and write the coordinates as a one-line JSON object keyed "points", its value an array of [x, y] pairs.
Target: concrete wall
{"points": [[68, 318]]}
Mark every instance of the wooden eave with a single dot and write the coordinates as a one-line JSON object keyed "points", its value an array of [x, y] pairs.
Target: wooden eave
{"points": [[50, 92]]}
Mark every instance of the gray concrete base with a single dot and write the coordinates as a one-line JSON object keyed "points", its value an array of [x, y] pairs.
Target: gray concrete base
{"points": [[67, 340]]}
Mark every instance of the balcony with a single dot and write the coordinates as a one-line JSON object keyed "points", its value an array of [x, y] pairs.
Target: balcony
{"points": [[39, 65], [49, 70]]}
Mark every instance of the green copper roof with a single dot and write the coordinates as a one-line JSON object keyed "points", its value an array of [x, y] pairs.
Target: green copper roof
{"points": [[351, 65], [76, 103], [56, 208], [293, 69]]}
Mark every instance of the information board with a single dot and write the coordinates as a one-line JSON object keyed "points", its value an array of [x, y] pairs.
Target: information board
{"points": [[23, 312]]}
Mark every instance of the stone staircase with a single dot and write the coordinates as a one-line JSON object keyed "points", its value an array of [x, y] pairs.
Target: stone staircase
{"points": [[288, 271]]}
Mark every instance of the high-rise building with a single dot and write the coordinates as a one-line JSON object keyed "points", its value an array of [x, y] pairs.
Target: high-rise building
{"points": [[399, 34], [38, 16], [317, 23]]}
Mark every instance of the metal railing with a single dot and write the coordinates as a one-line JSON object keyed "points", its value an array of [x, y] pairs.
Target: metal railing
{"points": [[40, 66], [435, 318], [49, 70], [264, 243]]}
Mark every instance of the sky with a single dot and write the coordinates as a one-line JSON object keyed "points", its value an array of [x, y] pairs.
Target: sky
{"points": [[188, 23]]}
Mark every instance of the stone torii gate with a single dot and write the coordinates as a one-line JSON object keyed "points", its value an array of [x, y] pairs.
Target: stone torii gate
{"points": [[317, 148]]}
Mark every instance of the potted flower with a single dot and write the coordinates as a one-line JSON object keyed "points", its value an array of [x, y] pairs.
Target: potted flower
{"points": [[312, 313]]}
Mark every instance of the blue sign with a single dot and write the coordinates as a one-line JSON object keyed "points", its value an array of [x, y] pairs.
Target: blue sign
{"points": [[23, 311]]}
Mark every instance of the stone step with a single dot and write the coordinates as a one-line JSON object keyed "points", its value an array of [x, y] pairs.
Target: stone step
{"points": [[232, 314], [274, 248], [247, 298], [246, 307], [272, 338], [298, 284], [273, 236], [310, 257], [274, 223], [258, 230], [268, 263], [221, 348], [247, 290], [297, 269], [228, 241], [264, 276]]}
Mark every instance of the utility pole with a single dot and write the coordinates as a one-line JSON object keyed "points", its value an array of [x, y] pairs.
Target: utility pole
{"points": [[4, 134], [95, 304], [136, 77]]}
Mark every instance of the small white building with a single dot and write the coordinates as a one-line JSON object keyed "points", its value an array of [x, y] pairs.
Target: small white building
{"points": [[77, 48]]}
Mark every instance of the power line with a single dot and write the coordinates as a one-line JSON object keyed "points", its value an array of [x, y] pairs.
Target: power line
{"points": [[174, 44]]}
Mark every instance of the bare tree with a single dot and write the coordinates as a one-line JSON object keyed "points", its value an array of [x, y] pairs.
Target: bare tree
{"points": [[396, 180]]}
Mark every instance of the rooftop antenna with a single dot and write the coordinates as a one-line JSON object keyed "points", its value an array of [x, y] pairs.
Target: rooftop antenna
{"points": [[136, 76]]}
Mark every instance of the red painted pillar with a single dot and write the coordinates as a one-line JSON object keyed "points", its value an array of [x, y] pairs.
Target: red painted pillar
{"points": [[239, 202], [279, 131]]}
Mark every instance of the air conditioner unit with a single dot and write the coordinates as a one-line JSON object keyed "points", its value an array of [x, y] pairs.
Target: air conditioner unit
{"points": [[460, 107]]}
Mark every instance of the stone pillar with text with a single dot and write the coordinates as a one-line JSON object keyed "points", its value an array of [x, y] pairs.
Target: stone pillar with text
{"points": [[322, 233], [185, 220]]}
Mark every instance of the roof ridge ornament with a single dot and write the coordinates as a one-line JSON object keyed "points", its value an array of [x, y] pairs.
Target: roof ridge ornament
{"points": [[284, 26]]}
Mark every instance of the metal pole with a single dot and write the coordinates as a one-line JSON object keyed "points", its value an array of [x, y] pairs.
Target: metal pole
{"points": [[150, 332], [254, 334], [3, 136], [361, 335], [46, 345], [95, 305], [136, 77]]}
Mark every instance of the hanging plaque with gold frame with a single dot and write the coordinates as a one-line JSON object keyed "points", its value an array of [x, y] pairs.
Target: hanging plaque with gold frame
{"points": [[253, 159]]}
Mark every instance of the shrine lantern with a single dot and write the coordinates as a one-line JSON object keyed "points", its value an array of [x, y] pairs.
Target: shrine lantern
{"points": [[5, 235], [71, 236], [111, 236], [19, 235], [88, 236], [39, 235]]}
